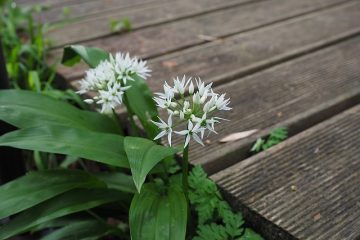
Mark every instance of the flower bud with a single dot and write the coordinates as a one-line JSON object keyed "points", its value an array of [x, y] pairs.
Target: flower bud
{"points": [[191, 88]]}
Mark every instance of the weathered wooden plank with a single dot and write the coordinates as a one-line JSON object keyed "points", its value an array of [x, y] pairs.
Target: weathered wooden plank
{"points": [[295, 94], [251, 51], [91, 9], [140, 17], [307, 186], [51, 3], [154, 41]]}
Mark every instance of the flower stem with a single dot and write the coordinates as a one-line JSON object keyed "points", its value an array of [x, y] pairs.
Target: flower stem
{"points": [[114, 116], [131, 114], [185, 171]]}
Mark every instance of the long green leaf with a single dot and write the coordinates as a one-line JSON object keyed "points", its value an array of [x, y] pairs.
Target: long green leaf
{"points": [[25, 109], [92, 56], [101, 147], [80, 230], [36, 187], [158, 215], [143, 155], [140, 101], [70, 202], [117, 180]]}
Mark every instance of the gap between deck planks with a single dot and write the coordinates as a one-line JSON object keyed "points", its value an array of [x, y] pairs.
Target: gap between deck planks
{"points": [[322, 163], [142, 17], [267, 46], [91, 9], [168, 37], [295, 94]]}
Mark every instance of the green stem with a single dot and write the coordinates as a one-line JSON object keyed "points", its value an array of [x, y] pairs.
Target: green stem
{"points": [[185, 171], [131, 114], [114, 116]]}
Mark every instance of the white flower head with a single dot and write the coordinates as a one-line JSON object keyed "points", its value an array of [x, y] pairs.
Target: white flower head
{"points": [[196, 112], [109, 80], [126, 67]]}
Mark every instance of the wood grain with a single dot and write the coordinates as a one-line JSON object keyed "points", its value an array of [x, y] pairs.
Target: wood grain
{"points": [[306, 186], [247, 52], [140, 17], [294, 94]]}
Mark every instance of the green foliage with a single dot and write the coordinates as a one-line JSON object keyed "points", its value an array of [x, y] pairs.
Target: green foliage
{"points": [[120, 25], [139, 101], [25, 47], [92, 56], [276, 136], [87, 229], [143, 155], [158, 213], [101, 147], [37, 187], [65, 204], [216, 220], [38, 110]]}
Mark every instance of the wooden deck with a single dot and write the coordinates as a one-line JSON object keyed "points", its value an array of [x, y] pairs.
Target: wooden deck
{"points": [[284, 63]]}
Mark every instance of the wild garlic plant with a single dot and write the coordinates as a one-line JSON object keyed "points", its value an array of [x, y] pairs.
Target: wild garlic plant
{"points": [[192, 109]]}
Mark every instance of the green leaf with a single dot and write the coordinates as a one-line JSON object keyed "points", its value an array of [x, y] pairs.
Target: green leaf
{"points": [[34, 81], [92, 56], [36, 187], [101, 147], [143, 155], [158, 214], [80, 230], [250, 235], [118, 25], [140, 101], [70, 202], [28, 109], [118, 181]]}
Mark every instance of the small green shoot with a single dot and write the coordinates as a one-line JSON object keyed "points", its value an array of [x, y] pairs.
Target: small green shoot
{"points": [[120, 25], [276, 136]]}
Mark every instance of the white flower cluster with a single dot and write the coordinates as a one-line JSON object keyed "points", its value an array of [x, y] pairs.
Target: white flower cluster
{"points": [[195, 111], [109, 80]]}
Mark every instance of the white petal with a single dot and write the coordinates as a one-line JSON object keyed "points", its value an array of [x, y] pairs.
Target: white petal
{"points": [[187, 140], [196, 138], [183, 132], [169, 137], [161, 134]]}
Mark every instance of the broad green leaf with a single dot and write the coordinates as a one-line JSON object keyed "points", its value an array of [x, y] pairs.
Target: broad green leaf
{"points": [[140, 101], [92, 56], [93, 229], [25, 109], [158, 214], [70, 202], [101, 147], [250, 235], [143, 155], [118, 181], [36, 187]]}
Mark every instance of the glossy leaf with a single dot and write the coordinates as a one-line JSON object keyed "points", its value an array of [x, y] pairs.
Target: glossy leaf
{"points": [[80, 230], [158, 214], [92, 56], [25, 109], [36, 187], [70, 202], [117, 180], [140, 101], [101, 147], [143, 155]]}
